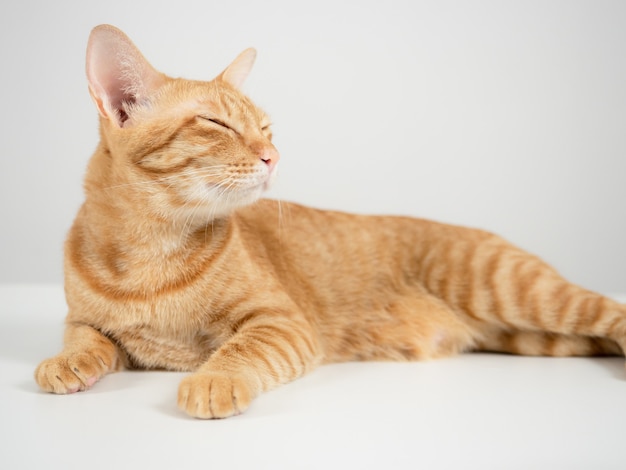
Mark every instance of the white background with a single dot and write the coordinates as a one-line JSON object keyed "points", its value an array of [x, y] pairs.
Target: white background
{"points": [[510, 116]]}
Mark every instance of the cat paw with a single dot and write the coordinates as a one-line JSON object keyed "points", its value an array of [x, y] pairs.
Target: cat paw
{"points": [[70, 373], [214, 395]]}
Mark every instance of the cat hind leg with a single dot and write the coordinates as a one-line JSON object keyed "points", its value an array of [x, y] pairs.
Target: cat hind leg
{"points": [[413, 326]]}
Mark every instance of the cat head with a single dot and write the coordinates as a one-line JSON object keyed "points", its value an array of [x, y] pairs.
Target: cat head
{"points": [[192, 149]]}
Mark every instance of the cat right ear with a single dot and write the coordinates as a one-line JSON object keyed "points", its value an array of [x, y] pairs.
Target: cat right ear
{"points": [[117, 73], [238, 70]]}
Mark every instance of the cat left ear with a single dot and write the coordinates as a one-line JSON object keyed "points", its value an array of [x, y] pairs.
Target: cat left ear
{"points": [[238, 70], [117, 73]]}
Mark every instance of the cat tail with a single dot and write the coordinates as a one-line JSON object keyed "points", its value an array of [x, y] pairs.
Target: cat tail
{"points": [[532, 343]]}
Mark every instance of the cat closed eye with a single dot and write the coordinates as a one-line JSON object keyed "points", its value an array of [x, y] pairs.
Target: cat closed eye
{"points": [[218, 123]]}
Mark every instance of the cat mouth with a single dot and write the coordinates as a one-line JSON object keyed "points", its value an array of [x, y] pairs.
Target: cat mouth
{"points": [[263, 185], [218, 191], [237, 193]]}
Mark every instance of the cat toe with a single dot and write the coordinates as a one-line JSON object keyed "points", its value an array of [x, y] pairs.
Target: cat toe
{"points": [[208, 395], [54, 376], [71, 373]]}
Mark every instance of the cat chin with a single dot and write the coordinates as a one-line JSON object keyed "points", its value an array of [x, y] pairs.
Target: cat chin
{"points": [[225, 203], [199, 213], [271, 178], [208, 201], [245, 198]]}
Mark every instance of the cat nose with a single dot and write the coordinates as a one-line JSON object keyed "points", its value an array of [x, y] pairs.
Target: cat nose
{"points": [[269, 156]]}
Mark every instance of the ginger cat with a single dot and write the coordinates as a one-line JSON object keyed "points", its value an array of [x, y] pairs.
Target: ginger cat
{"points": [[174, 263]]}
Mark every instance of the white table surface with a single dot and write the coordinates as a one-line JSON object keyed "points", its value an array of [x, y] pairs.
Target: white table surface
{"points": [[482, 411]]}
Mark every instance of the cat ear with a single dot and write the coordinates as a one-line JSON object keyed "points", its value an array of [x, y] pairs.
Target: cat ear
{"points": [[117, 73], [238, 70]]}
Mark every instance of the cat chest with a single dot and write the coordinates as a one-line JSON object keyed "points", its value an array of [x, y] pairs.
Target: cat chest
{"points": [[146, 347], [169, 332]]}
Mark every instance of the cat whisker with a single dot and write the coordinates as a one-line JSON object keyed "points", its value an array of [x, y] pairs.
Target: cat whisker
{"points": [[223, 193], [194, 173], [280, 218], [199, 195], [191, 214]]}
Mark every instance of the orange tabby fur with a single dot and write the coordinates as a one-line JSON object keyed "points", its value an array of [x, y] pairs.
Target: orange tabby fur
{"points": [[171, 263]]}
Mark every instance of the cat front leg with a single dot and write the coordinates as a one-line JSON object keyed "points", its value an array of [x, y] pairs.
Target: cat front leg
{"points": [[86, 357], [263, 353]]}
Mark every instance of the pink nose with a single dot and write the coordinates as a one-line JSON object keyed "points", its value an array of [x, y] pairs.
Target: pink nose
{"points": [[270, 157]]}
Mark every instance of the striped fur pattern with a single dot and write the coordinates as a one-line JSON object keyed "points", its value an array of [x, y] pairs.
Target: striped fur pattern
{"points": [[173, 262]]}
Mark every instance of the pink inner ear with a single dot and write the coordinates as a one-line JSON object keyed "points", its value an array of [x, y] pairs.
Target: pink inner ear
{"points": [[110, 79], [95, 96], [117, 72], [113, 87]]}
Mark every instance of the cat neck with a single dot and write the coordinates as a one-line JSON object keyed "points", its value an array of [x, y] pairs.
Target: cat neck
{"points": [[122, 210], [125, 252]]}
